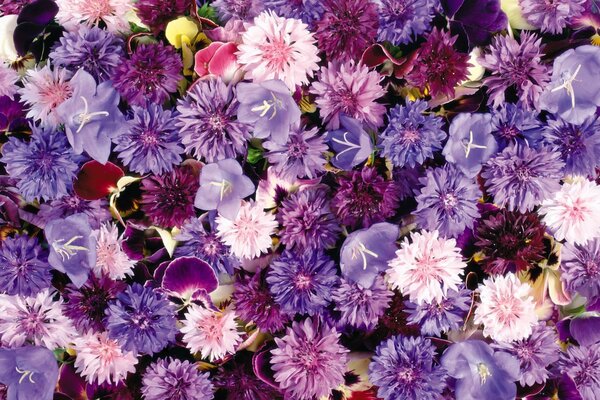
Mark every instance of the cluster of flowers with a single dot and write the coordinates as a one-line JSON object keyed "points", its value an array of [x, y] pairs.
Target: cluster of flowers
{"points": [[299, 199]]}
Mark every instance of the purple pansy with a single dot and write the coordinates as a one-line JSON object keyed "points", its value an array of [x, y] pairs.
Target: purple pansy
{"points": [[186, 277], [29, 373], [351, 144], [476, 20]]}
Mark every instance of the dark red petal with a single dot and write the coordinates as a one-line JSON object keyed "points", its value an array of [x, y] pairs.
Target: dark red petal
{"points": [[95, 181]]}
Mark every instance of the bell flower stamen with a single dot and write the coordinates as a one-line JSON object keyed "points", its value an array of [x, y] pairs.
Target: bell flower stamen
{"points": [[85, 117], [470, 145], [67, 249], [567, 84]]}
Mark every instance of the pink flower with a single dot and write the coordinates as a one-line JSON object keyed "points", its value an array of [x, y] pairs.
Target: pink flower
{"points": [[112, 12], [44, 90], [426, 268], [218, 59], [278, 48], [101, 359], [507, 311], [212, 333], [249, 233], [110, 258], [349, 89], [574, 212], [8, 80]]}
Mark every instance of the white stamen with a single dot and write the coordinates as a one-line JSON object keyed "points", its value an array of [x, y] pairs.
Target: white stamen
{"points": [[484, 372], [351, 146], [267, 105], [86, 117], [568, 85], [225, 186], [470, 145], [67, 249], [362, 250], [24, 374]]}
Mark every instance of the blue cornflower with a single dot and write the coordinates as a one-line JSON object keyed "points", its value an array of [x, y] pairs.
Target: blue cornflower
{"points": [[513, 123], [24, 268], [401, 21]]}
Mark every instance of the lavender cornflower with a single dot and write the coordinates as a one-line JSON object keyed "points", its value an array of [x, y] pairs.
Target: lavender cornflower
{"points": [[24, 268], [580, 268], [302, 282], [401, 21], [96, 210], [512, 123], [448, 201], [582, 364], [551, 16], [360, 306], [141, 320], [308, 11], [175, 380], [411, 136], [243, 10]]}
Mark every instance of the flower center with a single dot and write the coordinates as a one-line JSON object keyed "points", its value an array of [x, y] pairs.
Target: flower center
{"points": [[484, 372], [509, 132], [449, 201], [86, 117], [68, 249], [268, 105], [308, 357], [567, 80], [302, 281], [277, 53], [55, 94], [362, 250], [297, 149], [523, 174], [225, 186], [25, 374], [410, 136], [469, 145], [406, 375], [149, 138], [592, 268]]}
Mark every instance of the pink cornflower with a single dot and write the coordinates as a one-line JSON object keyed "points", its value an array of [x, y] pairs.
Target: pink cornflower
{"points": [[249, 233], [573, 214], [101, 359], [35, 320], [507, 311], [44, 90], [110, 258], [278, 48], [426, 267], [349, 89], [8, 79], [112, 12], [212, 333]]}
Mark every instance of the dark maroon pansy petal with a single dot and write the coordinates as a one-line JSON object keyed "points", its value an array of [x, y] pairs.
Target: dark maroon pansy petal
{"points": [[563, 329], [133, 242], [24, 35], [71, 384], [528, 391], [586, 330], [451, 7], [95, 181], [261, 365], [40, 12], [187, 275]]}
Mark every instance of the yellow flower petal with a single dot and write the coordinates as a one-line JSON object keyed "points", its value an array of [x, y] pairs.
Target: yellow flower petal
{"points": [[181, 30]]}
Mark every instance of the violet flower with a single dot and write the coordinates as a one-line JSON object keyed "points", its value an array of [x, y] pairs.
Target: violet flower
{"points": [[476, 20], [351, 144], [30, 372]]}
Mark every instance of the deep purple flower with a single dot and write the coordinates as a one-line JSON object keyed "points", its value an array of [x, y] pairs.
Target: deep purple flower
{"points": [[44, 167], [236, 380], [551, 16], [301, 156], [403, 368], [96, 50], [223, 186], [536, 354], [253, 302], [268, 107], [579, 145], [515, 65], [158, 13], [244, 10], [10, 199], [307, 223], [309, 361], [408, 181], [346, 28], [208, 125], [175, 380], [475, 20], [510, 241], [72, 247], [86, 305], [24, 268], [29, 372], [401, 21], [301, 283], [574, 93], [521, 178], [439, 67], [168, 200], [150, 75], [360, 306], [470, 142], [96, 210], [364, 198], [582, 364], [308, 11], [351, 143], [480, 372], [92, 116], [437, 318], [151, 144], [447, 202], [187, 278], [141, 319], [580, 268], [512, 123]]}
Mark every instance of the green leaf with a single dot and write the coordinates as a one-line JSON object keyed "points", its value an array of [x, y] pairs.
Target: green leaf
{"points": [[208, 12], [254, 155]]}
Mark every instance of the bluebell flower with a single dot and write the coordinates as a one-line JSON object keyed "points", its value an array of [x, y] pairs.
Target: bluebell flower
{"points": [[29, 372], [351, 144]]}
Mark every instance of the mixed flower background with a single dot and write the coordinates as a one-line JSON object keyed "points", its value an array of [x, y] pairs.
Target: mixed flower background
{"points": [[299, 199]]}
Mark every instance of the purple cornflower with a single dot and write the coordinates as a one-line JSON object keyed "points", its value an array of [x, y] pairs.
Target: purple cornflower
{"points": [[551, 16], [301, 156], [96, 210], [307, 223], [24, 268], [29, 372], [86, 305], [401, 21], [512, 123], [151, 144], [580, 268], [236, 380], [436, 318], [403, 368], [346, 28], [150, 75], [535, 354], [360, 306], [521, 178], [243, 10], [579, 145], [411, 137], [301, 283], [364, 198], [198, 239], [351, 143], [174, 379], [44, 167], [168, 200], [141, 320], [515, 65], [96, 50], [408, 181], [447, 202], [308, 11], [309, 361], [254, 303], [158, 13], [582, 364], [208, 125]]}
